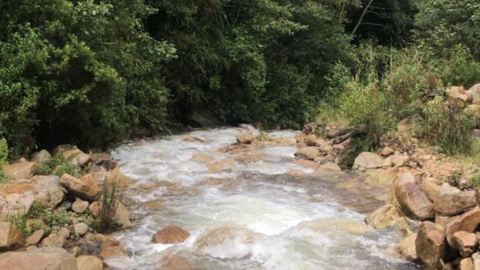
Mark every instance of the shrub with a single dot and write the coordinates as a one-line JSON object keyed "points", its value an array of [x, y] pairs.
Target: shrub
{"points": [[51, 217], [3, 159], [21, 222], [58, 166], [108, 204]]}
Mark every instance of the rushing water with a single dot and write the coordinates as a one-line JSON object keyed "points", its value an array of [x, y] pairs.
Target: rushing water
{"points": [[253, 216]]}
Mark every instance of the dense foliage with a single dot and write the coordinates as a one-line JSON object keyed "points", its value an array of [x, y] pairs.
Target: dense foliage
{"points": [[90, 72]]}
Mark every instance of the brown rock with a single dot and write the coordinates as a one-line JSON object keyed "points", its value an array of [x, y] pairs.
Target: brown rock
{"points": [[20, 188], [451, 201], [50, 186], [38, 259], [474, 94], [465, 242], [407, 248], [54, 240], [175, 262], [62, 148], [431, 187], [430, 244], [89, 263], [413, 202], [18, 171], [328, 168], [41, 157], [220, 235], [202, 157], [189, 138], [382, 177], [457, 93], [76, 157], [122, 215], [35, 238], [246, 138], [85, 187], [306, 163], [221, 165], [466, 264], [367, 161], [79, 206], [10, 236], [309, 153], [108, 252], [312, 140], [383, 217], [387, 151], [467, 222], [80, 228], [171, 234], [249, 157]]}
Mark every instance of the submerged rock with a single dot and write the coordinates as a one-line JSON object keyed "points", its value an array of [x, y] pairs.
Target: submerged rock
{"points": [[171, 234]]}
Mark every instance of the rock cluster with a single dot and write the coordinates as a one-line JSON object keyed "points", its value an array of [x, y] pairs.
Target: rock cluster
{"points": [[74, 244]]}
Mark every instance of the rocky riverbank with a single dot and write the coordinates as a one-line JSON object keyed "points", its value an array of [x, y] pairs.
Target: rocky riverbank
{"points": [[50, 219]]}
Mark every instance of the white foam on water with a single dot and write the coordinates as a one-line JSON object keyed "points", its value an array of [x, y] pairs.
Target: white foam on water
{"points": [[297, 233]]}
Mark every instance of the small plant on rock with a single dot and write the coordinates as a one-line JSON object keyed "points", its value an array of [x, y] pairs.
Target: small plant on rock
{"points": [[108, 204], [20, 220], [58, 166]]}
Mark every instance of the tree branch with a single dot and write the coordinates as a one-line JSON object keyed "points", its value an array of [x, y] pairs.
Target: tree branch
{"points": [[361, 18]]}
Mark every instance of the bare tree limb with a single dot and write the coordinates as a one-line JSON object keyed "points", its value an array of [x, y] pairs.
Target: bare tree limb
{"points": [[361, 17]]}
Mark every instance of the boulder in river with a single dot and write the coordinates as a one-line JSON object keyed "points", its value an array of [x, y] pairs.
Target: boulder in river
{"points": [[171, 234], [407, 248], [309, 153], [383, 217]]}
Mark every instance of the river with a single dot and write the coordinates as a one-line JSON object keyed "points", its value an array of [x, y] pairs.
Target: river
{"points": [[255, 215]]}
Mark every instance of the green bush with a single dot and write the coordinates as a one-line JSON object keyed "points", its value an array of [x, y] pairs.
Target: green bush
{"points": [[51, 217], [3, 159], [58, 166]]}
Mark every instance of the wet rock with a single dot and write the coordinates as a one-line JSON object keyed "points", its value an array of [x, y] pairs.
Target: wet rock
{"points": [[451, 201], [465, 242], [35, 238], [467, 222], [190, 138], [89, 263], [309, 153], [328, 168], [85, 187], [306, 163], [383, 217], [221, 165], [249, 157], [22, 170], [41, 157], [431, 187], [466, 264], [407, 248], [219, 236], [79, 206], [80, 228], [430, 244], [367, 161], [39, 259], [246, 138], [412, 200], [175, 262], [202, 157], [77, 157], [10, 236], [344, 225], [171, 234]]}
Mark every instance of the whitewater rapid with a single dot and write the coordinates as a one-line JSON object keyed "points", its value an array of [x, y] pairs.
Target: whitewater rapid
{"points": [[255, 215]]}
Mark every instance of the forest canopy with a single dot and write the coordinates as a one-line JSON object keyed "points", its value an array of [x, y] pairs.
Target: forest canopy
{"points": [[91, 72]]}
